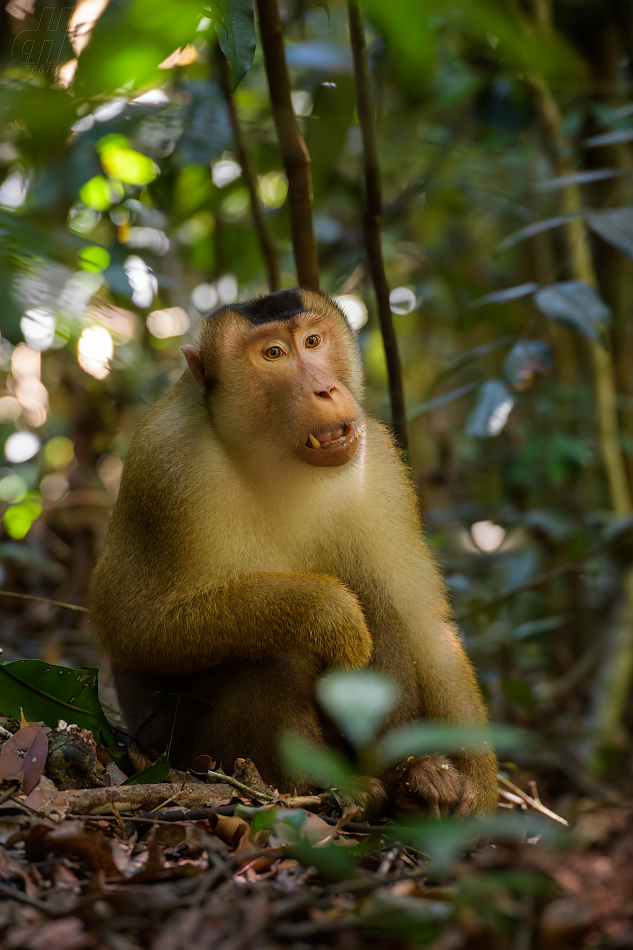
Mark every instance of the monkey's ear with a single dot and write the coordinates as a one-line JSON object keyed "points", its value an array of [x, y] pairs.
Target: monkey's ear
{"points": [[194, 362]]}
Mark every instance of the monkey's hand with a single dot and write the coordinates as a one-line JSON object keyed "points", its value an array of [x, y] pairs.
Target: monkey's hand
{"points": [[430, 784]]}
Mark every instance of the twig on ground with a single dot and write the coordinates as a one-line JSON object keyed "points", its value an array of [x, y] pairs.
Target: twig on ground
{"points": [[251, 792], [534, 803]]}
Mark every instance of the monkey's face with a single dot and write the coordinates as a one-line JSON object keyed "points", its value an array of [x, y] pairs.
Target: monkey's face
{"points": [[283, 385]]}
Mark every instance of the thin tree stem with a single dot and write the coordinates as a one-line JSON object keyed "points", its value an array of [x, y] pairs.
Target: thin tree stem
{"points": [[294, 153], [268, 247], [372, 222]]}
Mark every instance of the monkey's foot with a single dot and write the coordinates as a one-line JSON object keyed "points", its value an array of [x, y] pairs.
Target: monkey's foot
{"points": [[431, 784], [369, 795]]}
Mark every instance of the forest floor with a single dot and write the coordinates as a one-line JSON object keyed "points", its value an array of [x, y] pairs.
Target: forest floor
{"points": [[86, 862], [185, 865]]}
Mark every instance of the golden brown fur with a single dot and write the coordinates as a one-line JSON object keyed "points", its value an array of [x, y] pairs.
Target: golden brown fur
{"points": [[234, 572]]}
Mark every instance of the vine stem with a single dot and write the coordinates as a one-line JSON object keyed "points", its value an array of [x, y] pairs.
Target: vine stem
{"points": [[294, 152], [266, 243], [372, 222]]}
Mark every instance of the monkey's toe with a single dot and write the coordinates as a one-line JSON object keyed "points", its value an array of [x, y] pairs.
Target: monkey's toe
{"points": [[431, 785]]}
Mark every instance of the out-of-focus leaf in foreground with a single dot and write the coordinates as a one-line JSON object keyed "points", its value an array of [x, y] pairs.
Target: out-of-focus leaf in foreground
{"points": [[130, 40], [357, 701], [430, 738]]}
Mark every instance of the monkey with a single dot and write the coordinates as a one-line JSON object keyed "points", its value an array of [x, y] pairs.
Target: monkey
{"points": [[266, 530]]}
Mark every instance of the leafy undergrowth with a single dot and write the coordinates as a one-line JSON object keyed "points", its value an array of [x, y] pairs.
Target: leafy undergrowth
{"points": [[87, 862]]}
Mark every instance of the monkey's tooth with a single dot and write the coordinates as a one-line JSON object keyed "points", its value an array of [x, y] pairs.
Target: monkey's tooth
{"points": [[314, 442]]}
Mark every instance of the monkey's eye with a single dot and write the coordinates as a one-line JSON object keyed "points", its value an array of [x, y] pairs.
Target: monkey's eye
{"points": [[313, 341], [273, 352]]}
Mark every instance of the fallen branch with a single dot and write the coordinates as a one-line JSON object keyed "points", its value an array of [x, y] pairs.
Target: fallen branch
{"points": [[118, 798]]}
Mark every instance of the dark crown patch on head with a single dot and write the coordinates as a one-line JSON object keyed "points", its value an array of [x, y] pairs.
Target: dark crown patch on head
{"points": [[282, 305]]}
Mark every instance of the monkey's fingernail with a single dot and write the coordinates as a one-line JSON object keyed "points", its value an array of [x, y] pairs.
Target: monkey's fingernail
{"points": [[315, 442]]}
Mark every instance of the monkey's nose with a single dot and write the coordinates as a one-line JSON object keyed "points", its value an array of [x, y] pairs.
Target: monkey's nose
{"points": [[328, 393]]}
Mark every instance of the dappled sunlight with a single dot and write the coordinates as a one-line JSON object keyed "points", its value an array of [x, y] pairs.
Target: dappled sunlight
{"points": [[94, 351]]}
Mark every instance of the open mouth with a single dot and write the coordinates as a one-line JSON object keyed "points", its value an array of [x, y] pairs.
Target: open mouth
{"points": [[339, 436]]}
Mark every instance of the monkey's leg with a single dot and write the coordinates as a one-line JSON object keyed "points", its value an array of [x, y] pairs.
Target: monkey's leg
{"points": [[236, 709]]}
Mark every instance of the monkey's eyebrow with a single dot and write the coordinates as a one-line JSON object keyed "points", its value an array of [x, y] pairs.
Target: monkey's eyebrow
{"points": [[311, 320]]}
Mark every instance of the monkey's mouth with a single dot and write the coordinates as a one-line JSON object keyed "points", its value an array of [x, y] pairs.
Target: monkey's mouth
{"points": [[339, 437]]}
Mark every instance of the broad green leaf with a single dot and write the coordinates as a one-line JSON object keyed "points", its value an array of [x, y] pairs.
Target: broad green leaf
{"points": [[501, 296], [416, 919], [525, 359], [578, 178], [530, 230], [432, 738], [575, 303], [616, 137], [153, 775], [234, 24], [49, 693], [443, 842], [325, 767], [615, 227], [130, 40], [494, 405], [357, 701], [411, 28]]}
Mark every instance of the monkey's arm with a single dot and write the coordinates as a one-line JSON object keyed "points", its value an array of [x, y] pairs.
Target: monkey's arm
{"points": [[449, 692], [250, 617]]}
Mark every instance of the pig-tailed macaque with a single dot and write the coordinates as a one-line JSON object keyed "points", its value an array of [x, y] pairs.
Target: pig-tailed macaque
{"points": [[265, 531]]}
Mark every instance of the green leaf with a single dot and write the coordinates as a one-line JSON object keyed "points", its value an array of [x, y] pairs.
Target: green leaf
{"points": [[416, 919], [615, 227], [49, 693], [326, 767], [153, 775], [576, 303], [501, 296], [494, 405], [526, 358], [431, 738], [234, 24], [357, 701], [130, 40]]}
